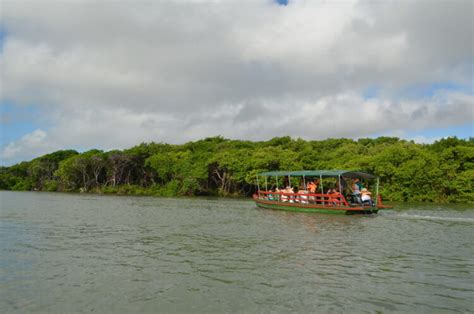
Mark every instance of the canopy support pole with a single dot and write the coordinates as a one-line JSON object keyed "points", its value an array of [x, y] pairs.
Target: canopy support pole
{"points": [[340, 187], [277, 196], [266, 185], [377, 192], [258, 187], [321, 182], [304, 182]]}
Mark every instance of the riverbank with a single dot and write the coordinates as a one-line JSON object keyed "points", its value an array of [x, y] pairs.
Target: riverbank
{"points": [[138, 193]]}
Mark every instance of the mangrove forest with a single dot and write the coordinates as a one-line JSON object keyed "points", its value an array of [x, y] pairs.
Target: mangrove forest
{"points": [[408, 171]]}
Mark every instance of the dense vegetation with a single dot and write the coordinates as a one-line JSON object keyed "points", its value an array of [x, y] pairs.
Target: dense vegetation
{"points": [[442, 171]]}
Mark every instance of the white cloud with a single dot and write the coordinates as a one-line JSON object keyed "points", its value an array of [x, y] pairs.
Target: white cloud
{"points": [[31, 144], [113, 74], [425, 140]]}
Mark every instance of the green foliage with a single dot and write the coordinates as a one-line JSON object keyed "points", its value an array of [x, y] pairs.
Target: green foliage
{"points": [[50, 186], [23, 184], [442, 171], [16, 177]]}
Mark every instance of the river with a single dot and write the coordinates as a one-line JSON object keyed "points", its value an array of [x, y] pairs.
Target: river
{"points": [[67, 253]]}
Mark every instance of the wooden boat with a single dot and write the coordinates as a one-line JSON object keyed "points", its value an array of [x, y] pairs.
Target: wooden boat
{"points": [[317, 201]]}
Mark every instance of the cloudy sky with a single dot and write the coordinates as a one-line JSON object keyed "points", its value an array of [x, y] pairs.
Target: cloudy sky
{"points": [[112, 74]]}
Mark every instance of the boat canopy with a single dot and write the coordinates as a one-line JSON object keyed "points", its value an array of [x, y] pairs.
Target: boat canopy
{"points": [[319, 173]]}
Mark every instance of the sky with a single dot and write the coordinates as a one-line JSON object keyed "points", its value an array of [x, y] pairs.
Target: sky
{"points": [[112, 74]]}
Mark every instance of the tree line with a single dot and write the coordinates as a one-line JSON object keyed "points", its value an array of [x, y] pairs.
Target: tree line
{"points": [[440, 172]]}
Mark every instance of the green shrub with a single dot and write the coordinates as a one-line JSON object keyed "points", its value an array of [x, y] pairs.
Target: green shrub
{"points": [[50, 186]]}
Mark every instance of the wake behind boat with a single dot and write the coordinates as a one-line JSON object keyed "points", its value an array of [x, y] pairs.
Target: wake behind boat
{"points": [[334, 195]]}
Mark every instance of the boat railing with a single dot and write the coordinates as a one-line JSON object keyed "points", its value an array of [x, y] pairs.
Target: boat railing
{"points": [[304, 198]]}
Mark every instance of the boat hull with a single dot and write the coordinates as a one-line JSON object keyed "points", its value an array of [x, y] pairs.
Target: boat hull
{"points": [[315, 208]]}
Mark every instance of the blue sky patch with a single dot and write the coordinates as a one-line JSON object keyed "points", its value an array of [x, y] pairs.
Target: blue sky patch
{"points": [[461, 131], [464, 131], [16, 121], [370, 92], [282, 2], [430, 90]]}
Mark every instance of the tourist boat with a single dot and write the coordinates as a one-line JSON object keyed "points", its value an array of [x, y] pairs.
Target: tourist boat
{"points": [[317, 200]]}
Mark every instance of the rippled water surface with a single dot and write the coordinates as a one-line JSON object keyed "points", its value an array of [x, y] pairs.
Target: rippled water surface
{"points": [[86, 253]]}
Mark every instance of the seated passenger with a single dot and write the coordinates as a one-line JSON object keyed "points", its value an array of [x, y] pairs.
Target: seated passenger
{"points": [[290, 190], [366, 197], [334, 196], [356, 187], [311, 187], [277, 194], [317, 183], [284, 197], [331, 191], [302, 198], [270, 196]]}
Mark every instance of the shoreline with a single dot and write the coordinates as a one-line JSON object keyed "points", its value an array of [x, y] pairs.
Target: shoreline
{"points": [[133, 195]]}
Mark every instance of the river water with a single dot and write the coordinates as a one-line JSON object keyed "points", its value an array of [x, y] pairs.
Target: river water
{"points": [[66, 253]]}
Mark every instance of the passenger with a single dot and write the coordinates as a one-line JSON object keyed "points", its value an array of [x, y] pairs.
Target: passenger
{"points": [[270, 196], [302, 198], [311, 189], [303, 188], [366, 197], [277, 195], [284, 196], [334, 196], [290, 190], [356, 187], [331, 191], [317, 183]]}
